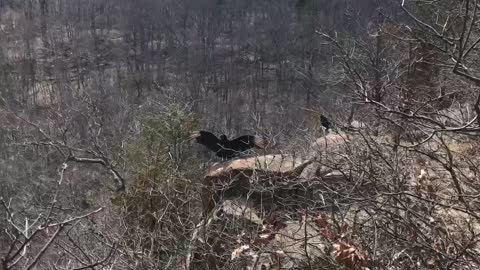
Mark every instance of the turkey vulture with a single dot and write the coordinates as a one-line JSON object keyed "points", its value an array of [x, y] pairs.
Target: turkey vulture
{"points": [[225, 148], [325, 122]]}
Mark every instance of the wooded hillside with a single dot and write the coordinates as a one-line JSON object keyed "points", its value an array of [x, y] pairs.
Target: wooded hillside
{"points": [[99, 99]]}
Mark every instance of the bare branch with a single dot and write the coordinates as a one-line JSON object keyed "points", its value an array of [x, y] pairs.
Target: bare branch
{"points": [[44, 248]]}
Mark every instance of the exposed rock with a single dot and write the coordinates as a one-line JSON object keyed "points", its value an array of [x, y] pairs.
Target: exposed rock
{"points": [[237, 177], [268, 192], [310, 171], [285, 174], [275, 164], [240, 209], [329, 143], [283, 244]]}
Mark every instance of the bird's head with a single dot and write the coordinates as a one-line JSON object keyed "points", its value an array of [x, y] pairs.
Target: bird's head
{"points": [[194, 135], [223, 138]]}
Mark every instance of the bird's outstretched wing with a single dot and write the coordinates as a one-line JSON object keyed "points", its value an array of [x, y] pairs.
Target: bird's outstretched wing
{"points": [[206, 138]]}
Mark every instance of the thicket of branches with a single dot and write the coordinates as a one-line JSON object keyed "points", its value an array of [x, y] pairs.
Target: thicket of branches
{"points": [[98, 99]]}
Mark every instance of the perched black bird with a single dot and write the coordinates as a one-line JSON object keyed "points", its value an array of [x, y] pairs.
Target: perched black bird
{"points": [[225, 148], [325, 122]]}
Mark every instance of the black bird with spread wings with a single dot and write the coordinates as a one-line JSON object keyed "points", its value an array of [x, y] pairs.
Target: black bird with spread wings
{"points": [[225, 148], [325, 122]]}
